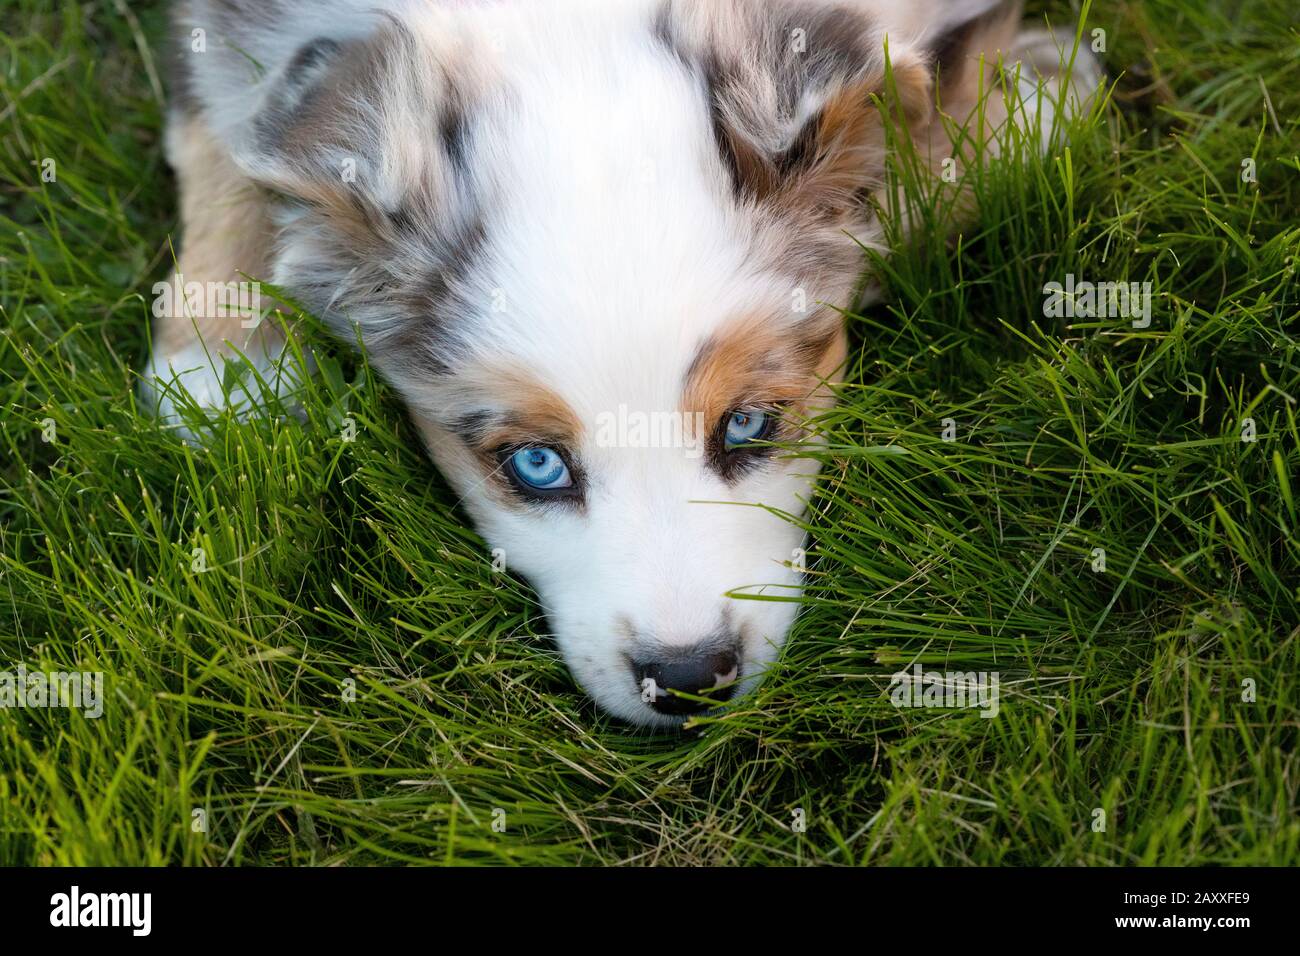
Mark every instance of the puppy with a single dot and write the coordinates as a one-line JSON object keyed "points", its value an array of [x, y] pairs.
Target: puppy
{"points": [[599, 247]]}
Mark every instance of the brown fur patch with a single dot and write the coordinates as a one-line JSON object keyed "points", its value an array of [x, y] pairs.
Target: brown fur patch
{"points": [[755, 360], [536, 414], [524, 412]]}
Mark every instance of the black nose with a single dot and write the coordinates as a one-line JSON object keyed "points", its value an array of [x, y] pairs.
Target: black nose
{"points": [[695, 671]]}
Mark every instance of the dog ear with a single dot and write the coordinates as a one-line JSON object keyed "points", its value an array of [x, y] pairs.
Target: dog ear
{"points": [[370, 132], [795, 90], [366, 140]]}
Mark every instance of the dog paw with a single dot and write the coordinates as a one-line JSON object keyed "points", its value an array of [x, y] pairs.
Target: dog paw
{"points": [[175, 384], [1053, 79]]}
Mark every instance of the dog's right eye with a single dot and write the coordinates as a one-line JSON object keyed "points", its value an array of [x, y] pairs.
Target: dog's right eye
{"points": [[539, 471]]}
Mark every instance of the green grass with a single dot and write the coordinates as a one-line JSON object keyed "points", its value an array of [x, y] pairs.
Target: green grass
{"points": [[331, 561]]}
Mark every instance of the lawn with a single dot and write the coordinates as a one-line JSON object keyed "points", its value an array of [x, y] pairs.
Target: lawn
{"points": [[308, 657]]}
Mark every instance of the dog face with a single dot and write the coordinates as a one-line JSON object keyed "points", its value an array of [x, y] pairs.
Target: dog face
{"points": [[616, 466], [601, 251]]}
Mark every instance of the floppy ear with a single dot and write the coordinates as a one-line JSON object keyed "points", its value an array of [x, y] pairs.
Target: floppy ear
{"points": [[795, 90], [378, 118], [366, 139]]}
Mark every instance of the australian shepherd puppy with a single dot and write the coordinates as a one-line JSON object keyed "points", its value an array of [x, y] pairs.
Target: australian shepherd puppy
{"points": [[550, 222]]}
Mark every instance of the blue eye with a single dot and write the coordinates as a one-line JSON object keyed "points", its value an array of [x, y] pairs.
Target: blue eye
{"points": [[541, 469], [746, 425]]}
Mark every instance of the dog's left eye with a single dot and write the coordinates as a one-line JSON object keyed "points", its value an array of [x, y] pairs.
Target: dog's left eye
{"points": [[539, 469], [746, 425]]}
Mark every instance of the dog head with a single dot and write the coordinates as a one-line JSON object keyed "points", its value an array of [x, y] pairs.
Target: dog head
{"points": [[601, 250]]}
